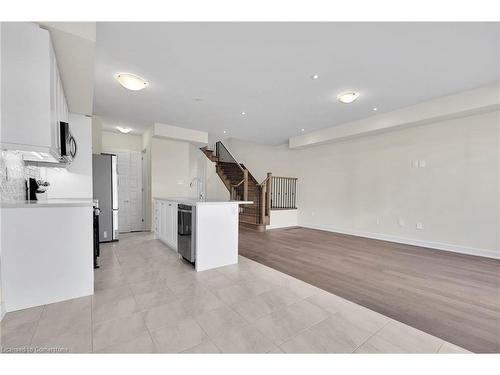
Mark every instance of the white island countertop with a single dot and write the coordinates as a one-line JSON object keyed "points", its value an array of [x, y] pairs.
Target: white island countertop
{"points": [[198, 202], [214, 230], [46, 203]]}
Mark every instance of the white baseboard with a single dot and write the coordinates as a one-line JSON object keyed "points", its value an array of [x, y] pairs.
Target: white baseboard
{"points": [[409, 241]]}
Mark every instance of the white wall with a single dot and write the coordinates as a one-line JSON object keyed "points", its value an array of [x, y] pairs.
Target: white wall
{"points": [[283, 219], [96, 135], [169, 168], [215, 187], [261, 159], [74, 181], [111, 140], [174, 164], [370, 186]]}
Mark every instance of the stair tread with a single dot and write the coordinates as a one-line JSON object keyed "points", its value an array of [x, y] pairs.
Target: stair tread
{"points": [[231, 174]]}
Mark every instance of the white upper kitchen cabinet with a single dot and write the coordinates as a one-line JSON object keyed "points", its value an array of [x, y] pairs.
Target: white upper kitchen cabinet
{"points": [[33, 100], [58, 106]]}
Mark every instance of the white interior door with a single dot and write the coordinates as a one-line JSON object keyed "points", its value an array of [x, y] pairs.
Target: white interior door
{"points": [[130, 205], [123, 158], [134, 182]]}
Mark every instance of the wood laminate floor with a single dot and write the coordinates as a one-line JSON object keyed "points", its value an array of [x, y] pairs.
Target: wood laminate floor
{"points": [[452, 296]]}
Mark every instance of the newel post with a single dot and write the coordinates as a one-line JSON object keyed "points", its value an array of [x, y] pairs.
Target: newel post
{"points": [[245, 185], [269, 183]]}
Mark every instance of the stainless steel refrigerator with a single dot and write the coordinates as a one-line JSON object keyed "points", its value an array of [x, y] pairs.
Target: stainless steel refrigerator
{"points": [[105, 181]]}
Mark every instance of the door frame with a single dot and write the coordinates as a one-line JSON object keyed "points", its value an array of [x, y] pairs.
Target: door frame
{"points": [[147, 207], [114, 150]]}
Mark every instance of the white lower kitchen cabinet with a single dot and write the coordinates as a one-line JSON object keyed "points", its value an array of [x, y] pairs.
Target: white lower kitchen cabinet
{"points": [[213, 233], [47, 252], [166, 222]]}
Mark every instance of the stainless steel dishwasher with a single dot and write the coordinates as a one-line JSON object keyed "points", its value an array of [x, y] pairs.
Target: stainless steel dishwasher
{"points": [[186, 232]]}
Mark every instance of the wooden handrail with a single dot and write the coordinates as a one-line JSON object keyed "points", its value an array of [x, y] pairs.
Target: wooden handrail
{"points": [[286, 178], [238, 184], [269, 176], [245, 185], [274, 192], [226, 150], [269, 188]]}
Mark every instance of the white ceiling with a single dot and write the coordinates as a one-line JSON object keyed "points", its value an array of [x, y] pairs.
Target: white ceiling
{"points": [[264, 70]]}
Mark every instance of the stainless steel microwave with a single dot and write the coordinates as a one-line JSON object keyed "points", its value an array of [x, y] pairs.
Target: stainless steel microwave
{"points": [[67, 143]]}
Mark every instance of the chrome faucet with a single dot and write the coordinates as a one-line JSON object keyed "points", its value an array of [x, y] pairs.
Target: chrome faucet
{"points": [[199, 185]]}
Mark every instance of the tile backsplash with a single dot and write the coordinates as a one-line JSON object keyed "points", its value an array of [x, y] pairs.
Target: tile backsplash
{"points": [[13, 175]]}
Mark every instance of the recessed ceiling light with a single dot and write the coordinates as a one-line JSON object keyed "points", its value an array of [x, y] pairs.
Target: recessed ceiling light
{"points": [[348, 97], [124, 130], [243, 113], [375, 109], [225, 132], [315, 76], [131, 81], [302, 130], [198, 99]]}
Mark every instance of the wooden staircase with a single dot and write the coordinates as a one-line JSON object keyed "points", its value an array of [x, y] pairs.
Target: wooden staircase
{"points": [[243, 186]]}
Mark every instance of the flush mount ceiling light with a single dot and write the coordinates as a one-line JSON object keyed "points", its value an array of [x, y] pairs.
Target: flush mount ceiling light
{"points": [[302, 130], [243, 113], [131, 81], [348, 97], [124, 130], [315, 76]]}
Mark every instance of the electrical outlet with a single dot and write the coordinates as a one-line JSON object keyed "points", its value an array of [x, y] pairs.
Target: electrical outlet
{"points": [[401, 222], [105, 234], [414, 163], [378, 220], [422, 163], [420, 225]]}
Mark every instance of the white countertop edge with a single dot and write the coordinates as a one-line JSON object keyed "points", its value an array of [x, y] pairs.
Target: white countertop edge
{"points": [[191, 202], [49, 203]]}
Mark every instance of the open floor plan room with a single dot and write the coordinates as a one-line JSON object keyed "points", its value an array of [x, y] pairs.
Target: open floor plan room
{"points": [[250, 187], [147, 300]]}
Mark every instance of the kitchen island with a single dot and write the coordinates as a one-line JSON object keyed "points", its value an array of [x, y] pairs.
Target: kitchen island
{"points": [[213, 231]]}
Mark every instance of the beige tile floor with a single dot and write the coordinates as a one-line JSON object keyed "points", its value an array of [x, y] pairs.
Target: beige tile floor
{"points": [[147, 300]]}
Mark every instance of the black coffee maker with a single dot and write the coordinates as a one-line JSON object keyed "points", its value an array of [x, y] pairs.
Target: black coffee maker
{"points": [[33, 187]]}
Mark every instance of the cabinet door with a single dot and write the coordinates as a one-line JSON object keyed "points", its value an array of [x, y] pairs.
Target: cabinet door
{"points": [[173, 238], [54, 114], [156, 218], [25, 70], [163, 221], [168, 224]]}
